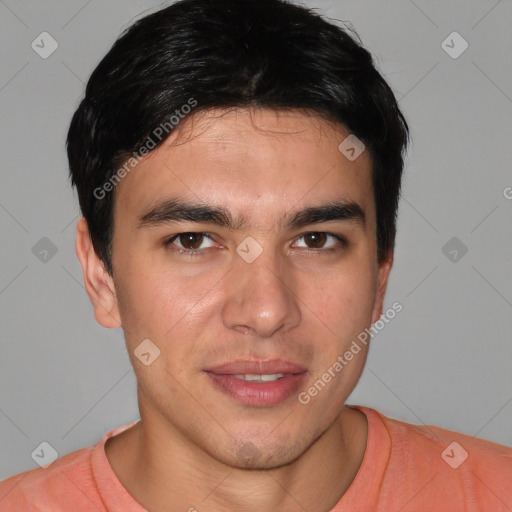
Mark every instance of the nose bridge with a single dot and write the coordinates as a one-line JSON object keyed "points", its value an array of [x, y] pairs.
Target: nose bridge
{"points": [[261, 298]]}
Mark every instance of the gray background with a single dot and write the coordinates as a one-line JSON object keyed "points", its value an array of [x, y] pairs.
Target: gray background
{"points": [[444, 360]]}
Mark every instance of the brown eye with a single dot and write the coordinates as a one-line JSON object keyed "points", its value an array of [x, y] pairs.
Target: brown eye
{"points": [[190, 243], [190, 240], [321, 240], [315, 240]]}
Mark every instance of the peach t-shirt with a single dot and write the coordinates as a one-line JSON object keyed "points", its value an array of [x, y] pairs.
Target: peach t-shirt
{"points": [[405, 468]]}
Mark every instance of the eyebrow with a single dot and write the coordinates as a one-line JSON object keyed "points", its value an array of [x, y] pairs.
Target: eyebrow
{"points": [[174, 210]]}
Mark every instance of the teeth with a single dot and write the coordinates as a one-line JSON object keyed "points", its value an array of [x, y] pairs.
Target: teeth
{"points": [[269, 377]]}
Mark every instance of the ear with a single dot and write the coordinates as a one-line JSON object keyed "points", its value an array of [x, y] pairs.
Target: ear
{"points": [[382, 283], [98, 283]]}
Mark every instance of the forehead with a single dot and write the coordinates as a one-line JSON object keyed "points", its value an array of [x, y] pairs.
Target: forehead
{"points": [[254, 162]]}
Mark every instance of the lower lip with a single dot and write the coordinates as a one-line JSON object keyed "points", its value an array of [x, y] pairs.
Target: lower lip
{"points": [[258, 394]]}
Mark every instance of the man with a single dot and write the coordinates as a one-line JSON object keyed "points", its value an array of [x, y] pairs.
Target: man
{"points": [[238, 166]]}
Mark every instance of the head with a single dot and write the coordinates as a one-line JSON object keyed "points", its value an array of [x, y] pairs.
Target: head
{"points": [[223, 119]]}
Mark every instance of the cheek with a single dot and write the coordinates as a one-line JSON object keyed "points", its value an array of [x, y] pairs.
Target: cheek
{"points": [[344, 300], [157, 300]]}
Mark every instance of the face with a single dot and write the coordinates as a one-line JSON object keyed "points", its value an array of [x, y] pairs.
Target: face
{"points": [[245, 249]]}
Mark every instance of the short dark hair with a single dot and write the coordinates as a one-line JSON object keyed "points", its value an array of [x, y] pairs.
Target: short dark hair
{"points": [[231, 53]]}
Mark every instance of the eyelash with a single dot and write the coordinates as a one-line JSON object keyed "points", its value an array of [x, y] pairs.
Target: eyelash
{"points": [[198, 252]]}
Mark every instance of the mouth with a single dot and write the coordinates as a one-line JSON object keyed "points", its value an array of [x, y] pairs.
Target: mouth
{"points": [[257, 383]]}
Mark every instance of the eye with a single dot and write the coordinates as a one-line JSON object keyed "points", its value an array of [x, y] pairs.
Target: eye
{"points": [[190, 241], [320, 240]]}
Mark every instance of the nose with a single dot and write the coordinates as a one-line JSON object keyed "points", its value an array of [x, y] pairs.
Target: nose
{"points": [[261, 300]]}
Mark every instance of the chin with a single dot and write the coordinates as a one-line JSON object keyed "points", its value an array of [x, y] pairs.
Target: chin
{"points": [[262, 455]]}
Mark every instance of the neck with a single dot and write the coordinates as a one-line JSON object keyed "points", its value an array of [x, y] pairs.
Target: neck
{"points": [[166, 472]]}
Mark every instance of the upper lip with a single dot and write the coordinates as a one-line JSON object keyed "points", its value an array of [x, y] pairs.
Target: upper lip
{"points": [[255, 367]]}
